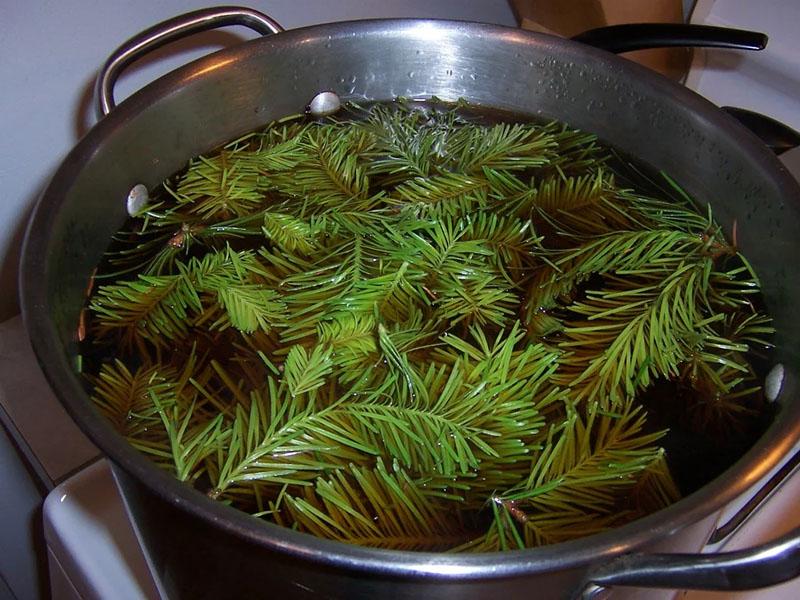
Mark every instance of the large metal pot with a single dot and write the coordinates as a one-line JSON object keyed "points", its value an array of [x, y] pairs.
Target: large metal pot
{"points": [[199, 548]]}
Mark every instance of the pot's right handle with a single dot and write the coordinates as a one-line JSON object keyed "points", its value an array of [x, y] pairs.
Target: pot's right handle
{"points": [[640, 36], [757, 567], [170, 31], [760, 566]]}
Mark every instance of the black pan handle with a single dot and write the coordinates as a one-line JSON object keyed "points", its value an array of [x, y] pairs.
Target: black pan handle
{"points": [[640, 36]]}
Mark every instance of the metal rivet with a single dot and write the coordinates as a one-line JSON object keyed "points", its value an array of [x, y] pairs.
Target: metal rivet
{"points": [[774, 382], [324, 104], [595, 592], [138, 198]]}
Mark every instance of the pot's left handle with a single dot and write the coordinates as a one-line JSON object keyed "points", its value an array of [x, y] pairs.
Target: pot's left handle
{"points": [[169, 31]]}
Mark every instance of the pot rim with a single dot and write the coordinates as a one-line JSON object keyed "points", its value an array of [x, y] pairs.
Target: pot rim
{"points": [[756, 463]]}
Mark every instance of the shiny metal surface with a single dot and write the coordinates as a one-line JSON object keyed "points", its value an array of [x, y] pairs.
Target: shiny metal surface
{"points": [[758, 567], [152, 134], [170, 31], [730, 526], [324, 104], [138, 198]]}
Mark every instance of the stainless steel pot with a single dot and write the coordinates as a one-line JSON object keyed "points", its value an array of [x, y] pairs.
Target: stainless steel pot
{"points": [[199, 548]]}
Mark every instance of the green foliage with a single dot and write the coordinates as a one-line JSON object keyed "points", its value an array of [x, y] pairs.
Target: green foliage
{"points": [[161, 308], [153, 306], [412, 330], [303, 372], [289, 233], [404, 146], [227, 184], [502, 146], [650, 330], [375, 507], [124, 398], [583, 470], [273, 441], [190, 440], [446, 194], [331, 170]]}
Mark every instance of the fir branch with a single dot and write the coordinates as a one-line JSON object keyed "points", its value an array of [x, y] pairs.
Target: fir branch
{"points": [[154, 307], [377, 507], [332, 173], [632, 335], [625, 252], [279, 265], [751, 329], [270, 442], [503, 185], [289, 233], [654, 488], [228, 184], [398, 363], [576, 151], [304, 372], [154, 249], [161, 308], [680, 216], [512, 244], [232, 277], [448, 194], [554, 527], [403, 146], [502, 146], [350, 293], [480, 301], [152, 252], [248, 308], [572, 194], [394, 295], [580, 468], [452, 419], [275, 156], [190, 443], [124, 397], [724, 390], [443, 250], [353, 341]]}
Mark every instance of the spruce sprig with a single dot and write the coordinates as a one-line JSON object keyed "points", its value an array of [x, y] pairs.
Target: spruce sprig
{"points": [[379, 507]]}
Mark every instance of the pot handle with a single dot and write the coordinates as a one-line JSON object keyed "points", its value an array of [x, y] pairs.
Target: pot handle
{"points": [[170, 31], [761, 566], [640, 36], [751, 568]]}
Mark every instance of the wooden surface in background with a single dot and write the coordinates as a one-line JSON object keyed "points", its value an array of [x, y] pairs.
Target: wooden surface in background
{"points": [[570, 17]]}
